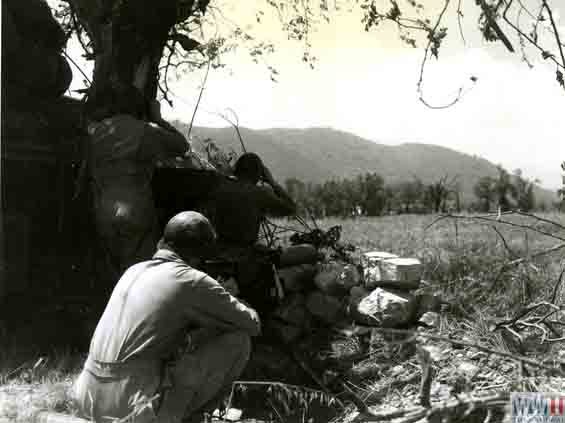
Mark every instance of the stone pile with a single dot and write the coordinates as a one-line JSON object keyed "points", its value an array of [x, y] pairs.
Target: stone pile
{"points": [[379, 291]]}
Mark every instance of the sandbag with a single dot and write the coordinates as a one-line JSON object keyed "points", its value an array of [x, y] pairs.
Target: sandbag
{"points": [[36, 23], [31, 61], [336, 278], [299, 254], [298, 278]]}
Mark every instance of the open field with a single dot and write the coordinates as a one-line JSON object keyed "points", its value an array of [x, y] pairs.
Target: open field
{"points": [[467, 264]]}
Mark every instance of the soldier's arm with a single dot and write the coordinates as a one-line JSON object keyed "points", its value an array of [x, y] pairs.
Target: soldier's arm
{"points": [[167, 142], [274, 198], [275, 203], [164, 136], [216, 308]]}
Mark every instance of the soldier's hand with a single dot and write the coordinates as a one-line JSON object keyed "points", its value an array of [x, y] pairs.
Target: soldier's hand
{"points": [[256, 318], [230, 285], [268, 176]]}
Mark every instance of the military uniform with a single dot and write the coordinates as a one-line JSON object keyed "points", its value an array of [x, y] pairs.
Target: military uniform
{"points": [[155, 309]]}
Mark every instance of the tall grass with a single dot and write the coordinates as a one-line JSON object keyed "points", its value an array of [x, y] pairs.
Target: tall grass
{"points": [[464, 264], [464, 259], [31, 383]]}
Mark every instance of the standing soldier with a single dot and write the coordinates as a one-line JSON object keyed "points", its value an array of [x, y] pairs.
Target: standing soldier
{"points": [[122, 153]]}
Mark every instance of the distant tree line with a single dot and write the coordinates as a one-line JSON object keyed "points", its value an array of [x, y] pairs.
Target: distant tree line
{"points": [[369, 195], [505, 192]]}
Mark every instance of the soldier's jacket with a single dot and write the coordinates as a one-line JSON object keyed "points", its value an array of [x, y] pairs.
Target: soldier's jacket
{"points": [[153, 306], [237, 209], [122, 154]]}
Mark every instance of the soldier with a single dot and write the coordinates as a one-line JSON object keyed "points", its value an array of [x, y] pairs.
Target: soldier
{"points": [[237, 208], [122, 153], [240, 204], [170, 336]]}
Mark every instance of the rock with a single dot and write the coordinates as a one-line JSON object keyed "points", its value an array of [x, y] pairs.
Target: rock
{"points": [[428, 303], [299, 254], [231, 414], [395, 273], [356, 294], [291, 319], [337, 278], [430, 319], [286, 332], [387, 308], [325, 307], [373, 258], [397, 370], [468, 369], [298, 278], [293, 310]]}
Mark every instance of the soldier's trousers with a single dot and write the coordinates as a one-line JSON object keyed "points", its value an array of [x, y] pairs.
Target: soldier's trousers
{"points": [[194, 381]]}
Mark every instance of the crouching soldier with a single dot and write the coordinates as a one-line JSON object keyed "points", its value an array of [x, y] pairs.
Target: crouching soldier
{"points": [[171, 339]]}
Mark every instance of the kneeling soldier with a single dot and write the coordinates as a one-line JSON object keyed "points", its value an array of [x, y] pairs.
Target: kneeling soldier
{"points": [[171, 337]]}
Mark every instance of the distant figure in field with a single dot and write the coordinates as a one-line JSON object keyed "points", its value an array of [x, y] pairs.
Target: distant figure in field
{"points": [[170, 335]]}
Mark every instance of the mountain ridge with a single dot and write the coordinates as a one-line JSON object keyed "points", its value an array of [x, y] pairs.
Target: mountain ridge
{"points": [[320, 154]]}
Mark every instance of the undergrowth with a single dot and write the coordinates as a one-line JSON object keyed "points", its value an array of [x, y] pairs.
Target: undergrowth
{"points": [[466, 264]]}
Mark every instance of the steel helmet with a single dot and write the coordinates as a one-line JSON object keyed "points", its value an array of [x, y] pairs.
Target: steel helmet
{"points": [[189, 230]]}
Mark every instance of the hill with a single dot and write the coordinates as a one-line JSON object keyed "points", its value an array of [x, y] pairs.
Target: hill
{"points": [[321, 154]]}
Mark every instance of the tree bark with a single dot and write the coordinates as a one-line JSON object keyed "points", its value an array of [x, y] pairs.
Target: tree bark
{"points": [[128, 38]]}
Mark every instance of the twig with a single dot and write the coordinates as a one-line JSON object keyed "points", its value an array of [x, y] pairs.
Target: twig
{"points": [[459, 15], [492, 23], [535, 255], [522, 359], [512, 254], [198, 101], [235, 126], [527, 37], [434, 413], [279, 384], [69, 58], [425, 59], [556, 32], [15, 372], [359, 403], [276, 411], [557, 285], [78, 31], [314, 376], [427, 376], [524, 312], [541, 219], [497, 218]]}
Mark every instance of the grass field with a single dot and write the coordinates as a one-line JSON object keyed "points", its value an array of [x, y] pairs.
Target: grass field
{"points": [[467, 264]]}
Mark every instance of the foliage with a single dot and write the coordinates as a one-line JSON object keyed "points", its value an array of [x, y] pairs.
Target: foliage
{"points": [[202, 30], [505, 192], [325, 239], [368, 195], [463, 261], [523, 192], [484, 191]]}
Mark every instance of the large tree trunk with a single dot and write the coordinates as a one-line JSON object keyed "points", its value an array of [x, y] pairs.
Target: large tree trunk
{"points": [[128, 38]]}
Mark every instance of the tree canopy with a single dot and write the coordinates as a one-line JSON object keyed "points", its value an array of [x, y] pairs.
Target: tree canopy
{"points": [[145, 45]]}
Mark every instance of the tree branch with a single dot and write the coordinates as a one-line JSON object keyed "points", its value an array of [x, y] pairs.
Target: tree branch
{"points": [[555, 31]]}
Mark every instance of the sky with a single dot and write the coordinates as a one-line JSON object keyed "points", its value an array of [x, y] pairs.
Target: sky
{"points": [[365, 83]]}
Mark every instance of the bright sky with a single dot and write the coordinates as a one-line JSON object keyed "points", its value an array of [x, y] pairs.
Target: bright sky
{"points": [[365, 83]]}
